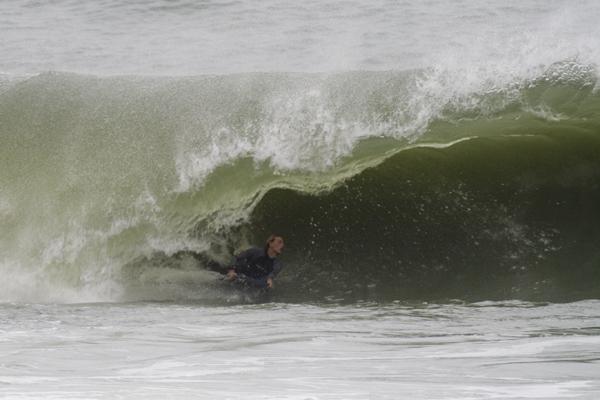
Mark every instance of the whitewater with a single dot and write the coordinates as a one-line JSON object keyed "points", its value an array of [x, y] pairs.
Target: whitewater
{"points": [[434, 169]]}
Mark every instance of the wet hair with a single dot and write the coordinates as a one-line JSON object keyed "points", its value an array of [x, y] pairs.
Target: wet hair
{"points": [[270, 239]]}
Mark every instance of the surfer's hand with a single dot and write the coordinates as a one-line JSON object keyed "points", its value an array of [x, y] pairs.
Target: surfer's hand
{"points": [[231, 275], [270, 283]]}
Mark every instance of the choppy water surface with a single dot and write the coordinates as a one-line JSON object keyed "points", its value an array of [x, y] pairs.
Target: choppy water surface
{"points": [[184, 37], [489, 350]]}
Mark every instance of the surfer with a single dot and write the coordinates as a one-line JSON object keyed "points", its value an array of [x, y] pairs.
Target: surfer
{"points": [[258, 266]]}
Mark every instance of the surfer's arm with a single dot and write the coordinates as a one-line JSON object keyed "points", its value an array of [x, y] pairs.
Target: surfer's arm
{"points": [[277, 267], [231, 271]]}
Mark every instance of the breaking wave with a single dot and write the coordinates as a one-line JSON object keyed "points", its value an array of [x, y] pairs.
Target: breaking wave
{"points": [[386, 185]]}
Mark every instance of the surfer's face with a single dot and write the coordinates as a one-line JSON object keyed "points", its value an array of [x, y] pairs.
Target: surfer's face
{"points": [[276, 245]]}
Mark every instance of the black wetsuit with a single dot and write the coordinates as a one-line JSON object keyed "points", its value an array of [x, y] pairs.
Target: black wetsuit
{"points": [[254, 266]]}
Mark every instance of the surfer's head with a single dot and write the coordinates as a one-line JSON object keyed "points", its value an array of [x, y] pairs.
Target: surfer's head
{"points": [[274, 245]]}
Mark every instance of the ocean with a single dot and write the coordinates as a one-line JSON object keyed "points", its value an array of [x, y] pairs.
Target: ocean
{"points": [[433, 166]]}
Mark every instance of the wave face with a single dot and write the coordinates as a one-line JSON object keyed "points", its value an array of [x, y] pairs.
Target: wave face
{"points": [[386, 185]]}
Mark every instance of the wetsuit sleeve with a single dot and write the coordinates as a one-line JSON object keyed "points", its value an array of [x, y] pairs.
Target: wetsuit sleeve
{"points": [[277, 267]]}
